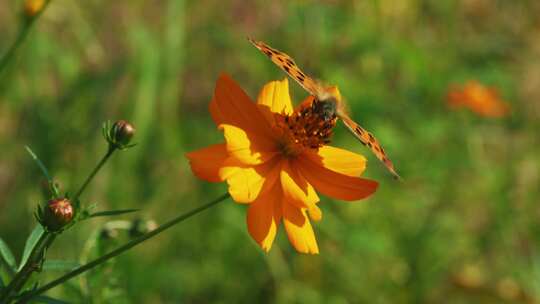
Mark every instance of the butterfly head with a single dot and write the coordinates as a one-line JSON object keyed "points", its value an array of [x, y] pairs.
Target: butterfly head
{"points": [[326, 109], [327, 103]]}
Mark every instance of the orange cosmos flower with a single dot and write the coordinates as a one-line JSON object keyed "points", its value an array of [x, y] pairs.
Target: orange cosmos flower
{"points": [[478, 98], [33, 7], [274, 159]]}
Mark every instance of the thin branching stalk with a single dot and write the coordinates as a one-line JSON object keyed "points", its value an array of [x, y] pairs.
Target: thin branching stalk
{"points": [[32, 264], [107, 155], [45, 241], [119, 250]]}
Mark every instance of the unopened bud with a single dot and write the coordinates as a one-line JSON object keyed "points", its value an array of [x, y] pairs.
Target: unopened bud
{"points": [[120, 134], [33, 7], [57, 214]]}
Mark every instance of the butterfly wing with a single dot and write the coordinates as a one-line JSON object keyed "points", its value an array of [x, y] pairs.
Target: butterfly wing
{"points": [[287, 64], [370, 141]]}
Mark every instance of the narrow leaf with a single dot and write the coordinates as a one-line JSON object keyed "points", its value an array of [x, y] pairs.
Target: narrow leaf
{"points": [[2, 285], [31, 242], [48, 300], [113, 212], [40, 164], [7, 255], [60, 265]]}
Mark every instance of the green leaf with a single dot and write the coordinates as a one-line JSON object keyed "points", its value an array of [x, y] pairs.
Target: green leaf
{"points": [[2, 285], [60, 265], [48, 300], [39, 163], [113, 212], [31, 242], [52, 186], [7, 255]]}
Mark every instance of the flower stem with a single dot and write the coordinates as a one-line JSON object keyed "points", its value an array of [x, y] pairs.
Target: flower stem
{"points": [[23, 32], [119, 250], [46, 239], [32, 264], [18, 41], [110, 151]]}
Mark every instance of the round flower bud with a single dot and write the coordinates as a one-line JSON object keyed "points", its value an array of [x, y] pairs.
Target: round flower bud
{"points": [[33, 7], [121, 133], [58, 213]]}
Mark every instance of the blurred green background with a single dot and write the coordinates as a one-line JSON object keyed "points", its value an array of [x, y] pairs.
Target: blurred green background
{"points": [[463, 226]]}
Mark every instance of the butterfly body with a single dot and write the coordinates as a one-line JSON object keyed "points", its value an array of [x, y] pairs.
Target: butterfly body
{"points": [[328, 103]]}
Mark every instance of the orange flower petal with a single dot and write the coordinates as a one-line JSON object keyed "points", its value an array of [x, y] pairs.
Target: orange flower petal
{"points": [[206, 163], [339, 160], [230, 105], [297, 191], [247, 183], [275, 96], [490, 107], [263, 218], [247, 147], [215, 111], [480, 99], [335, 184], [299, 230], [307, 102]]}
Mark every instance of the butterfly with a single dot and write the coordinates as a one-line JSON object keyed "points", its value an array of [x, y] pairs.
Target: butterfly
{"points": [[329, 99]]}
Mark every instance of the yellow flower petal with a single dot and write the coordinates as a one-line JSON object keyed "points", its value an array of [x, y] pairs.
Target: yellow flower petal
{"points": [[315, 213], [247, 183], [335, 184], [206, 163], [299, 230], [297, 191], [275, 96], [248, 148], [263, 218], [339, 160]]}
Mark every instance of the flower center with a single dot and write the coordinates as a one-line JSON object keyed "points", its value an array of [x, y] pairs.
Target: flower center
{"points": [[310, 126]]}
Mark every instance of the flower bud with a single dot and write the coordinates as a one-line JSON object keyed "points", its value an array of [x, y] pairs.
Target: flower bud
{"points": [[57, 213], [120, 134], [33, 7]]}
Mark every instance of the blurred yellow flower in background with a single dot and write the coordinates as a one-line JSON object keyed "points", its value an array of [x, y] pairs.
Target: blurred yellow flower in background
{"points": [[275, 158], [480, 99], [33, 7]]}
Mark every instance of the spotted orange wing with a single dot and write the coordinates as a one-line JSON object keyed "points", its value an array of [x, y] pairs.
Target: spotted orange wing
{"points": [[367, 139], [287, 64]]}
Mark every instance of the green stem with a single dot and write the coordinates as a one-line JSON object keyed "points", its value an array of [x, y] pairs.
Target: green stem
{"points": [[45, 241], [31, 265], [110, 151], [119, 250], [18, 41], [26, 25]]}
